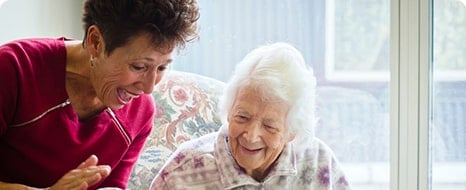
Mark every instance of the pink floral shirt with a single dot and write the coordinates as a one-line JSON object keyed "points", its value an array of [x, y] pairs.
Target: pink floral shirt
{"points": [[206, 163]]}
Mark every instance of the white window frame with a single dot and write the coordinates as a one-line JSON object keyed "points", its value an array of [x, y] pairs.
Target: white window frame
{"points": [[410, 87]]}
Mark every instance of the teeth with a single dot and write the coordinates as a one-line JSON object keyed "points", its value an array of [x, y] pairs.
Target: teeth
{"points": [[131, 95], [125, 95]]}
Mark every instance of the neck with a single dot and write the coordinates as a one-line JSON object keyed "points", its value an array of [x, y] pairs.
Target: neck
{"points": [[80, 90], [77, 59]]}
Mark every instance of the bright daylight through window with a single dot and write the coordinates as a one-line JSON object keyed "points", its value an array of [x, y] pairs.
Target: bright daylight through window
{"points": [[448, 132]]}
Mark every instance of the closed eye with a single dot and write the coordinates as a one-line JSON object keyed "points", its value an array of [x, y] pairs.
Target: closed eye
{"points": [[241, 118], [271, 128], [138, 68]]}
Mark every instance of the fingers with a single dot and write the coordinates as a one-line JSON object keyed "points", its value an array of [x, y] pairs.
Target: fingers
{"points": [[94, 174], [91, 161], [91, 171], [82, 178], [85, 175]]}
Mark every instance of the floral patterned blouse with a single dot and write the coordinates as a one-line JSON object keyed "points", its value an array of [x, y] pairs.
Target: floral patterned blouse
{"points": [[206, 163]]}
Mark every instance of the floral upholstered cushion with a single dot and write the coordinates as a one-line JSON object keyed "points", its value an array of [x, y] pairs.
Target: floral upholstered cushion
{"points": [[186, 108]]}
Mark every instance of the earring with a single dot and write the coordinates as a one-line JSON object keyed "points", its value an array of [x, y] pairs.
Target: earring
{"points": [[91, 60]]}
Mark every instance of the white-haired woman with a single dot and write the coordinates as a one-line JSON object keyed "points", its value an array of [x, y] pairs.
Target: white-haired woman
{"points": [[267, 139]]}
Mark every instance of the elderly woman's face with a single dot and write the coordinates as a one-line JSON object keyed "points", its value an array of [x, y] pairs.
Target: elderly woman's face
{"points": [[257, 132], [128, 72]]}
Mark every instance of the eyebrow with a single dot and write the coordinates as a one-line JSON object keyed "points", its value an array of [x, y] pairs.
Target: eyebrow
{"points": [[239, 110], [153, 60], [269, 121]]}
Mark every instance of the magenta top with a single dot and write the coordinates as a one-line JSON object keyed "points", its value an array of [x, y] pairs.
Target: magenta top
{"points": [[41, 137]]}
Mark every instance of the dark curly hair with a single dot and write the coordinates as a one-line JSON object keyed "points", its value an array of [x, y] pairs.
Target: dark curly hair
{"points": [[169, 23]]}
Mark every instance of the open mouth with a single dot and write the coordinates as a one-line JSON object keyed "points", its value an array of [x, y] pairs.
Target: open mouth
{"points": [[251, 151], [125, 96]]}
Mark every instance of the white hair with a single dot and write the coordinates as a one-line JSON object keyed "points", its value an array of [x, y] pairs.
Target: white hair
{"points": [[277, 71]]}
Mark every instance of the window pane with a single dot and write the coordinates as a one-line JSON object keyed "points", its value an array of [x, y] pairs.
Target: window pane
{"points": [[448, 129], [347, 44]]}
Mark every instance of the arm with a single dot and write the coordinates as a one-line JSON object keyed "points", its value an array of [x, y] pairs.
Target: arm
{"points": [[14, 186], [339, 180], [9, 90]]}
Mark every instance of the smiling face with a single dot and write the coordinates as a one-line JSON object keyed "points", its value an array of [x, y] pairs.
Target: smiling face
{"points": [[257, 132], [128, 71]]}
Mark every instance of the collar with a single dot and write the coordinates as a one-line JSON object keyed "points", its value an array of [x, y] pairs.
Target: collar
{"points": [[231, 174]]}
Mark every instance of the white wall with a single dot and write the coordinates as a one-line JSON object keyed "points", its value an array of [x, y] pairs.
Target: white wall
{"points": [[40, 18]]}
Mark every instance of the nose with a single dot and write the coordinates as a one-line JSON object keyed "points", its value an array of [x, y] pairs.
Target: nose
{"points": [[252, 132], [149, 81]]}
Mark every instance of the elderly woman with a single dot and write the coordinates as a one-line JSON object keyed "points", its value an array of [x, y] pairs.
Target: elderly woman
{"points": [[75, 114], [267, 139]]}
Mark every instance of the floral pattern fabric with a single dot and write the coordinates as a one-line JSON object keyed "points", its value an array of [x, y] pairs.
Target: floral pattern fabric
{"points": [[186, 106]]}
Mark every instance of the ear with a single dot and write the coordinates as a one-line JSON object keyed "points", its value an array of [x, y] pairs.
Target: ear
{"points": [[94, 41]]}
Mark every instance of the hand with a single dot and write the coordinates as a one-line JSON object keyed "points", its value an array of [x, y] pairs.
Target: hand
{"points": [[85, 175]]}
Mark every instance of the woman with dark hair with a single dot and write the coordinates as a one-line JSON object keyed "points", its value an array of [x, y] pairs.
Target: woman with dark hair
{"points": [[75, 114]]}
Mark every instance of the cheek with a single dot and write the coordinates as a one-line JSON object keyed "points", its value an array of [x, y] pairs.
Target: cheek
{"points": [[122, 77], [234, 130], [274, 143], [232, 141], [112, 81], [109, 73]]}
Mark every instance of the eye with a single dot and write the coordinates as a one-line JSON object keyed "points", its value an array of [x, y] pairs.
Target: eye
{"points": [[162, 68], [241, 118], [138, 67], [271, 128]]}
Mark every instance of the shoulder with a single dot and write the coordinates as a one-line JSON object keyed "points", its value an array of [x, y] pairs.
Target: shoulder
{"points": [[140, 111], [33, 46], [319, 160], [316, 154], [201, 145], [32, 53], [143, 105], [138, 114], [29, 56], [196, 153], [322, 147]]}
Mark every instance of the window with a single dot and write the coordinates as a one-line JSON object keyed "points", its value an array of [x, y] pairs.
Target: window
{"points": [[427, 109], [448, 132]]}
